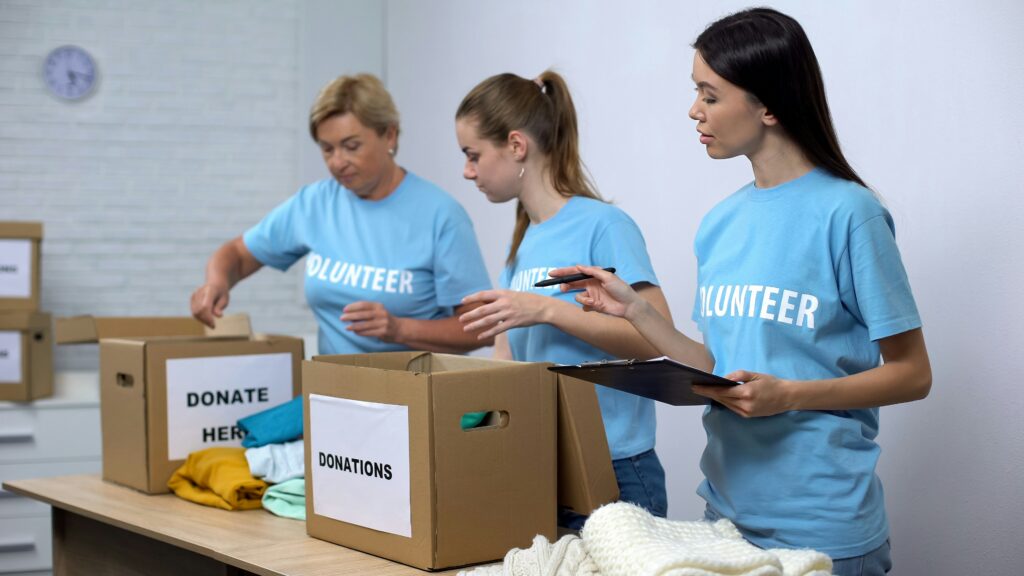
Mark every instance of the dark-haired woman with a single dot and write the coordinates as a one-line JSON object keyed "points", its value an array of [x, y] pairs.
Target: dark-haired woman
{"points": [[801, 291], [520, 141]]}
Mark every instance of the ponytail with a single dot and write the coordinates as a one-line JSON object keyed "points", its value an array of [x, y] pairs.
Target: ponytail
{"points": [[544, 110]]}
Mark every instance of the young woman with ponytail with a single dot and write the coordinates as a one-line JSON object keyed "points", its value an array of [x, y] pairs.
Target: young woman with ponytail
{"points": [[801, 293], [520, 141]]}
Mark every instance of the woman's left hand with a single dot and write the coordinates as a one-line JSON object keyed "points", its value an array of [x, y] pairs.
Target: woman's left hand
{"points": [[758, 395], [501, 310], [371, 319]]}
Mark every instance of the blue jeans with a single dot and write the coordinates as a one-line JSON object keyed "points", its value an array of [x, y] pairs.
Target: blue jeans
{"points": [[874, 563], [641, 481]]}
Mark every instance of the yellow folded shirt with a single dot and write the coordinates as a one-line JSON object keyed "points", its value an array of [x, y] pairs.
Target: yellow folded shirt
{"points": [[218, 477]]}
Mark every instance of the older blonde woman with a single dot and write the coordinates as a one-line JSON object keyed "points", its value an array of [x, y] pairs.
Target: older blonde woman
{"points": [[389, 256]]}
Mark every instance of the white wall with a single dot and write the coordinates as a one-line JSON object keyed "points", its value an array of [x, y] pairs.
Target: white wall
{"points": [[925, 98]]}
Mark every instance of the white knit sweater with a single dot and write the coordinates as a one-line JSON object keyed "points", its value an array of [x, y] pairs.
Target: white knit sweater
{"points": [[624, 539], [567, 557], [621, 539]]}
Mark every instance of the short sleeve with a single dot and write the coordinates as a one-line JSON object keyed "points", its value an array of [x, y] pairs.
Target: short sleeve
{"points": [[279, 239], [458, 265], [874, 282], [622, 246]]}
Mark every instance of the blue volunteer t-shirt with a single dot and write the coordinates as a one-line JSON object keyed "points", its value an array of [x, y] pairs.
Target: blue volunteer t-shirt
{"points": [[590, 232], [415, 252], [799, 281]]}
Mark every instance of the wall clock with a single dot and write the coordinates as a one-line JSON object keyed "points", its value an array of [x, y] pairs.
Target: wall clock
{"points": [[70, 72]]}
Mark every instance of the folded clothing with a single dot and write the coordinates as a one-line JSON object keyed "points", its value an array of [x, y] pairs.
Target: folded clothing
{"points": [[625, 539], [276, 463], [287, 499], [218, 477], [282, 423], [471, 419]]}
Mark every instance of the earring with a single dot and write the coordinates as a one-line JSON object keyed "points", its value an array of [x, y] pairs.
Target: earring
{"points": [[521, 172], [391, 151]]}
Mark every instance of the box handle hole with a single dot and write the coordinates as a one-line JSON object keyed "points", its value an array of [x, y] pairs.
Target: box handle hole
{"points": [[125, 380], [488, 419]]}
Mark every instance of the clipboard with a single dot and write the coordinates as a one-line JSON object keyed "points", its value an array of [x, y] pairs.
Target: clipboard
{"points": [[662, 379]]}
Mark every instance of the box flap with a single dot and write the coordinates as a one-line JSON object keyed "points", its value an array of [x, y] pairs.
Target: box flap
{"points": [[453, 363], [403, 361], [21, 230], [91, 329], [586, 479]]}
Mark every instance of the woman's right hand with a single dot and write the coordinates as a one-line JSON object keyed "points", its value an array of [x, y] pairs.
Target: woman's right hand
{"points": [[209, 302], [604, 292]]}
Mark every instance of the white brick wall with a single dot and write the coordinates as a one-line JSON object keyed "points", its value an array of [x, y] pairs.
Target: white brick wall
{"points": [[192, 136]]}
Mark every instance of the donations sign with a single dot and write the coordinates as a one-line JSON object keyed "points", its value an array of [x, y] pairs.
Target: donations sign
{"points": [[359, 453]]}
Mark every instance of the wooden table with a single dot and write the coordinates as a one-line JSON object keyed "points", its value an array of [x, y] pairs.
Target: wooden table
{"points": [[102, 528]]}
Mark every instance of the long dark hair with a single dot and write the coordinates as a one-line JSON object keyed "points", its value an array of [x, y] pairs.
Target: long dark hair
{"points": [[543, 109], [767, 54]]}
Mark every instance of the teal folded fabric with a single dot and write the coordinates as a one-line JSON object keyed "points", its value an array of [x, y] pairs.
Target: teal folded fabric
{"points": [[277, 425], [287, 499], [472, 419]]}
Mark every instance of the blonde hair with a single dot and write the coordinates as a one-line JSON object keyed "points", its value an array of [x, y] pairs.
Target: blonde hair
{"points": [[543, 109], [363, 96]]}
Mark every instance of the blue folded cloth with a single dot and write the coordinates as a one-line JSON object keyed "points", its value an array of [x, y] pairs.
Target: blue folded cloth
{"points": [[276, 425]]}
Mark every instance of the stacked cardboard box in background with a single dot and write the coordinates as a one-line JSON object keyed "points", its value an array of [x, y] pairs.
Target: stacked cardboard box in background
{"points": [[26, 349]]}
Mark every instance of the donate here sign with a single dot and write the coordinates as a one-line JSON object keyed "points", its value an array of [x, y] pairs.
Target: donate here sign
{"points": [[207, 396]]}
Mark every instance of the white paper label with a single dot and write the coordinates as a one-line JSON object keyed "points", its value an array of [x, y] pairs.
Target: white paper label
{"points": [[10, 357], [207, 396], [15, 268], [360, 457]]}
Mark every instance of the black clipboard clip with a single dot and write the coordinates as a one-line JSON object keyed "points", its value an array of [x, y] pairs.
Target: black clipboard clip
{"points": [[606, 362]]}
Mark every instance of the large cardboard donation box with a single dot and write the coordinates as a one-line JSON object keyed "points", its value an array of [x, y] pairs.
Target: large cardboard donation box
{"points": [[165, 397], [26, 356], [19, 265], [391, 471]]}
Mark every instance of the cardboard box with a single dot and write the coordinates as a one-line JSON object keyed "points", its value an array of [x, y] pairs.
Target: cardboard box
{"points": [[26, 356], [391, 472], [163, 398], [20, 265], [92, 329], [586, 479]]}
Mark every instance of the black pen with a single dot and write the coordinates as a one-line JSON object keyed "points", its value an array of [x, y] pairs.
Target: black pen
{"points": [[565, 279]]}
